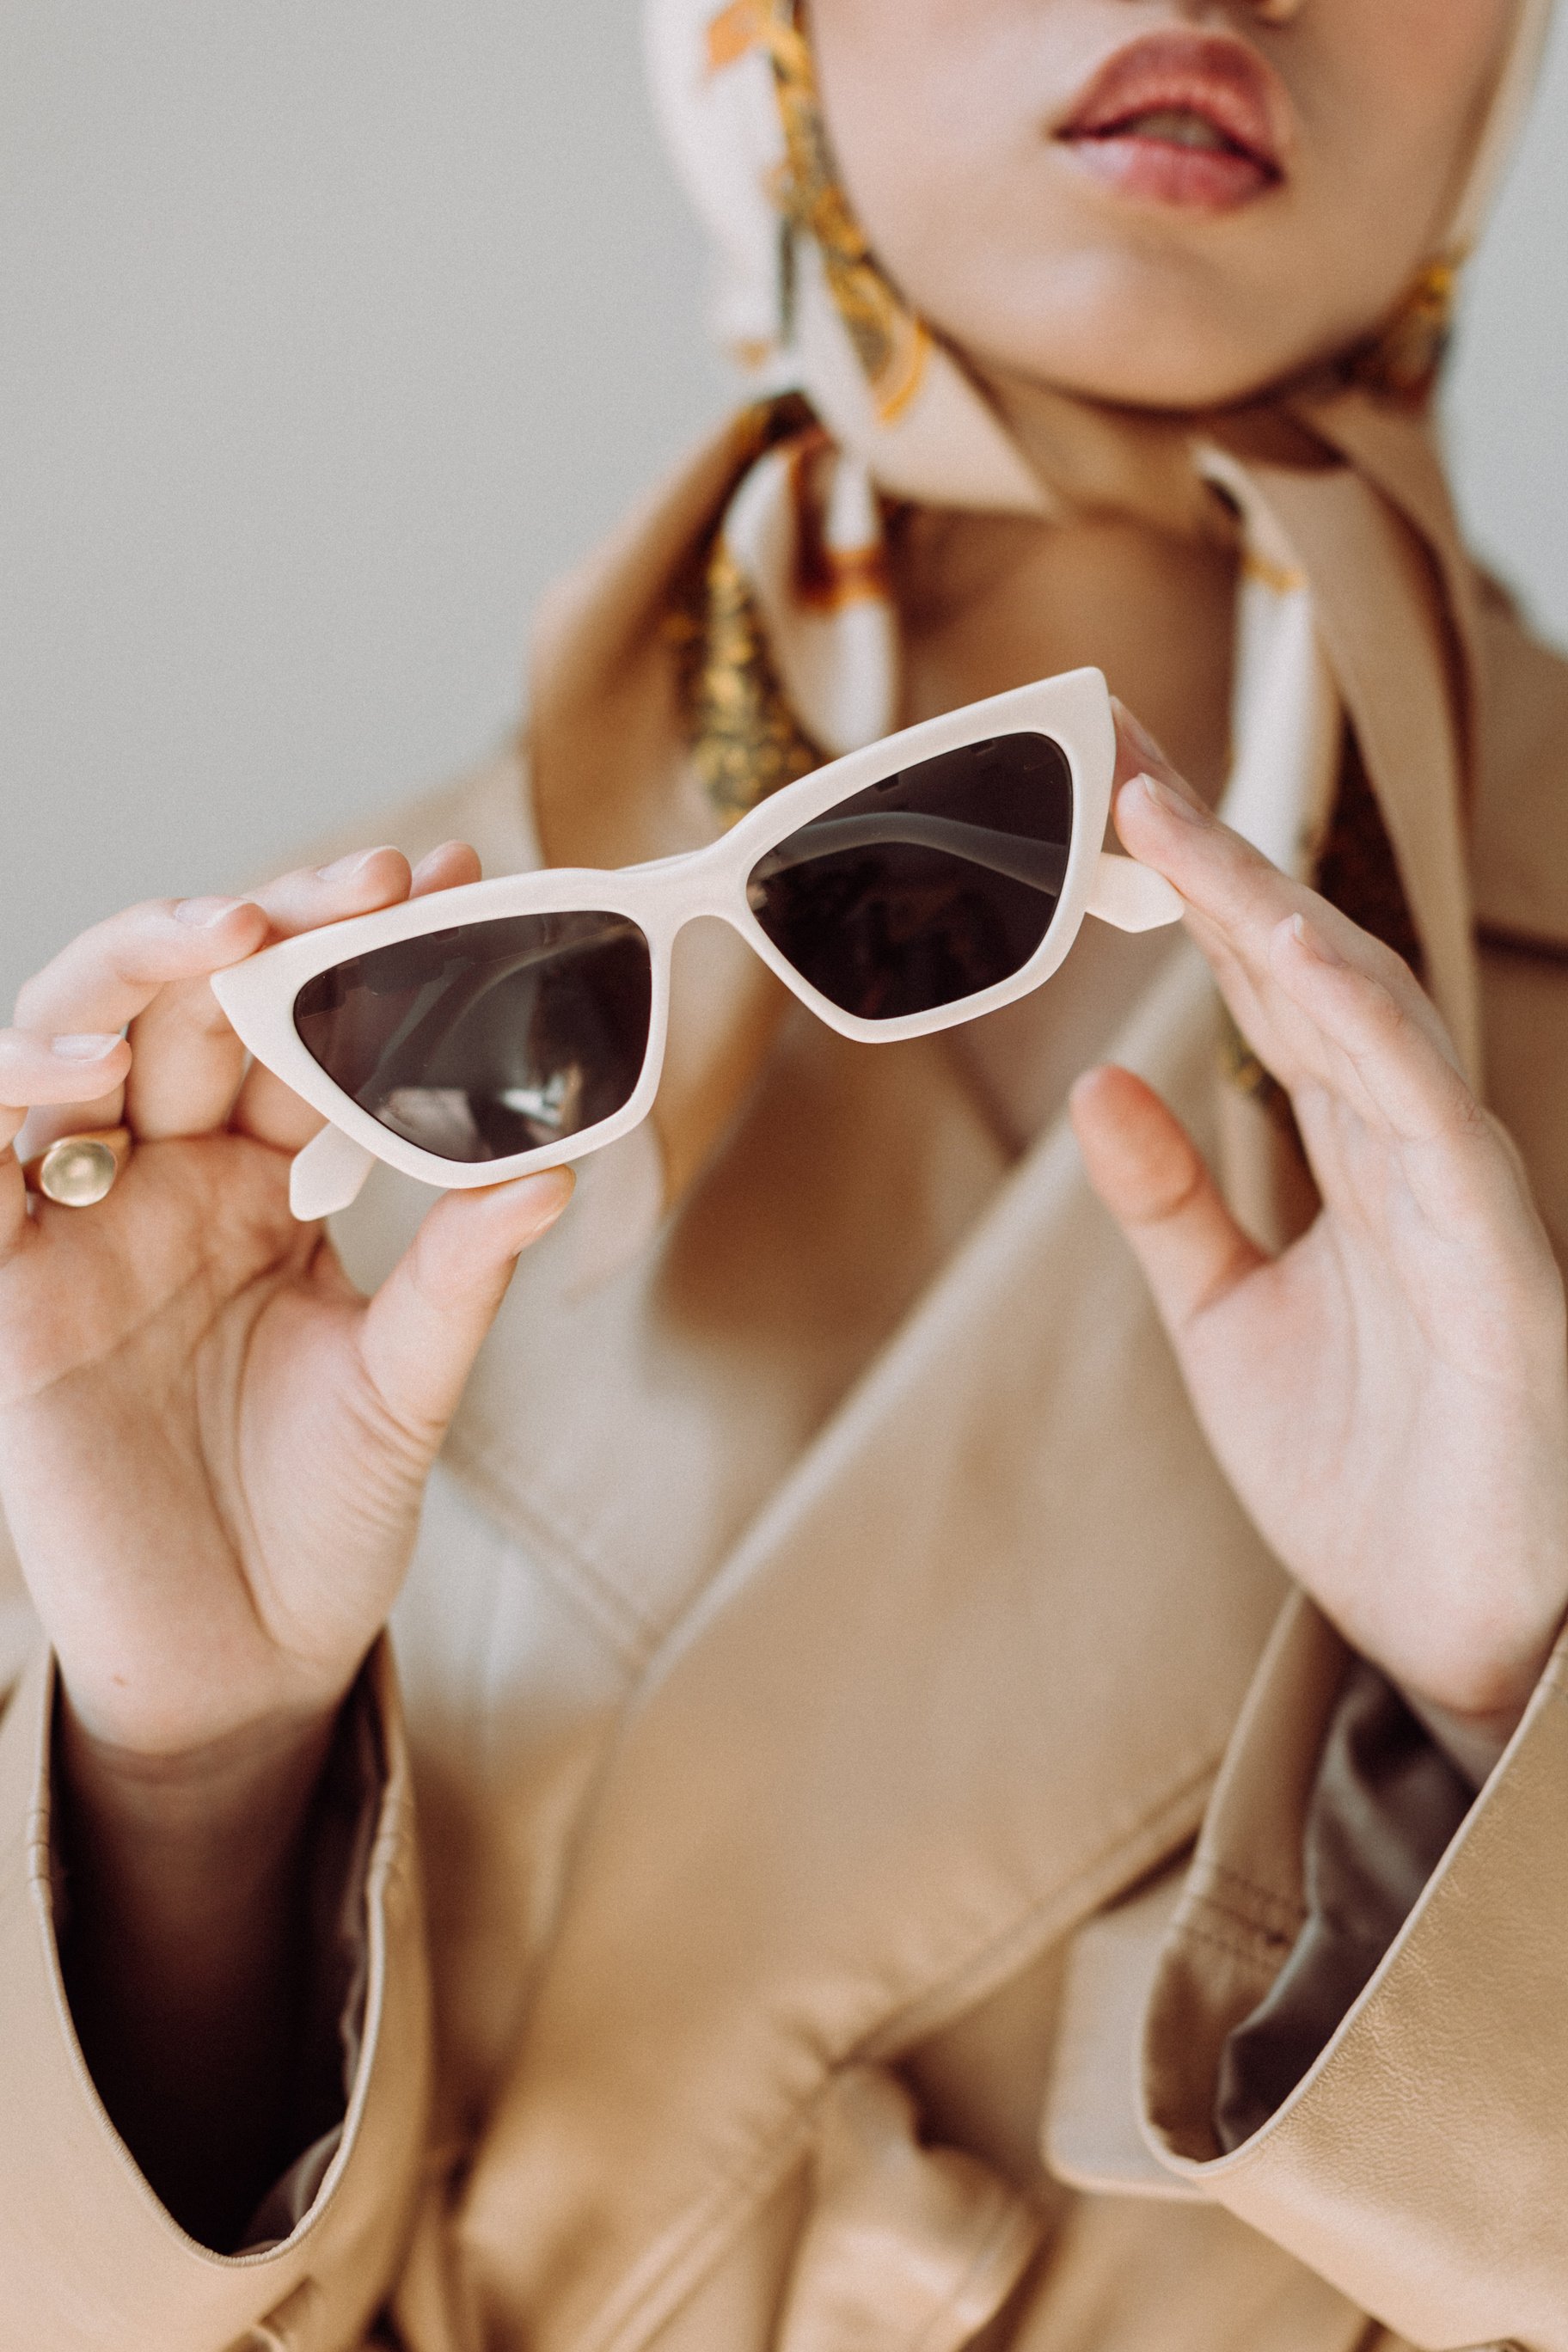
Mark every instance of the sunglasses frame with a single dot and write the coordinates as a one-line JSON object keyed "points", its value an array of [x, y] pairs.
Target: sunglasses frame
{"points": [[662, 896]]}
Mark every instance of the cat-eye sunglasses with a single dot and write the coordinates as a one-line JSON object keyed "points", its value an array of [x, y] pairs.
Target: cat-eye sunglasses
{"points": [[515, 1023]]}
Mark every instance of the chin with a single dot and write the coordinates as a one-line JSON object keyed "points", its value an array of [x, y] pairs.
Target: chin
{"points": [[1138, 334]]}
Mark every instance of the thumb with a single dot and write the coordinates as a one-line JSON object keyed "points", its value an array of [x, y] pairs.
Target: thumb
{"points": [[1154, 1179], [425, 1324]]}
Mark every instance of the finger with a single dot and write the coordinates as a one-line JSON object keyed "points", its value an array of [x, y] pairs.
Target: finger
{"points": [[1146, 781], [424, 1328], [42, 1071], [15, 1221], [1138, 753], [1236, 902], [1153, 1178], [1235, 896], [187, 1063], [1219, 874], [449, 868], [110, 974], [309, 895], [1407, 1081], [1139, 757], [272, 1112]]}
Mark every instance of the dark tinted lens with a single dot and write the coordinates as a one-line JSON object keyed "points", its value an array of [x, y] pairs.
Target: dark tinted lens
{"points": [[928, 888], [489, 1039]]}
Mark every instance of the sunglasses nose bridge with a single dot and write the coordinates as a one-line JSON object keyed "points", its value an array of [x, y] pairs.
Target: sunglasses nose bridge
{"points": [[689, 887]]}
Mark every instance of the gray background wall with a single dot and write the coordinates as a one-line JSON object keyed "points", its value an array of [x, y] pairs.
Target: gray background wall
{"points": [[332, 327]]}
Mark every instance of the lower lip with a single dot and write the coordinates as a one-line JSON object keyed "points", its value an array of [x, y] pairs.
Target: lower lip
{"points": [[1197, 179]]}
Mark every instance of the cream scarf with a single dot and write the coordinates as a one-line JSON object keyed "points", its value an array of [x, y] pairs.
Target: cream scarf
{"points": [[754, 632]]}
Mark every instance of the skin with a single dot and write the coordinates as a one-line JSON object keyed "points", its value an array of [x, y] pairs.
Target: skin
{"points": [[212, 1451], [941, 112], [1389, 1398], [212, 1457]]}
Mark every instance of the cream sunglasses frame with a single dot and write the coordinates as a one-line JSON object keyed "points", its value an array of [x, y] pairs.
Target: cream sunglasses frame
{"points": [[258, 995]]}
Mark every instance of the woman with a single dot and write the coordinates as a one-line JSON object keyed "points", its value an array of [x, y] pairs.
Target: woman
{"points": [[847, 1592]]}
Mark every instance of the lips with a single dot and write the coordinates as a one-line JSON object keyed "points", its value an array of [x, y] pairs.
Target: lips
{"points": [[1183, 119]]}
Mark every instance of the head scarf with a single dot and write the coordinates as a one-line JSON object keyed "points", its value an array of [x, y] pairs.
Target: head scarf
{"points": [[799, 298], [762, 588], [872, 1415]]}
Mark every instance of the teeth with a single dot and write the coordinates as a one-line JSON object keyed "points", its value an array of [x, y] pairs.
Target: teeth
{"points": [[1175, 128]]}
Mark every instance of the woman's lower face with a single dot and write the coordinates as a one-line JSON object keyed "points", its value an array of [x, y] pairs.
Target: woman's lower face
{"points": [[1163, 205]]}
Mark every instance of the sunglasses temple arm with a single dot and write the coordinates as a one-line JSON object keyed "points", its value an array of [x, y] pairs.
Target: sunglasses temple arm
{"points": [[327, 1175], [1132, 897], [429, 1026], [1041, 864]]}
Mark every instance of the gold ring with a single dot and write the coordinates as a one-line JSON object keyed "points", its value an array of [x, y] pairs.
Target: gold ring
{"points": [[79, 1170]]}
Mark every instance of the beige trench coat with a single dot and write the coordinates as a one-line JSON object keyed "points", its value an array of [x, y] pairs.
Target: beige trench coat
{"points": [[828, 1637]]}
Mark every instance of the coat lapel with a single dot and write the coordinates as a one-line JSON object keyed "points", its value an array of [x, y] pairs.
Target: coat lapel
{"points": [[1401, 661], [969, 1671], [935, 1609]]}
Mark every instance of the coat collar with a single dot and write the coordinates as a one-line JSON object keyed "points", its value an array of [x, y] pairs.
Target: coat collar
{"points": [[969, 1669], [937, 1608]]}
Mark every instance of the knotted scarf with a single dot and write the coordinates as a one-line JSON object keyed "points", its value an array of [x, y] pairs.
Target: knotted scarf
{"points": [[744, 629]]}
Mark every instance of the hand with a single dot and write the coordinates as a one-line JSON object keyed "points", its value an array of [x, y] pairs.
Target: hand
{"points": [[1389, 1398], [211, 1448]]}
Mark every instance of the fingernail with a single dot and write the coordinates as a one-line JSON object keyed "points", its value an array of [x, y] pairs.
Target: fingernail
{"points": [[343, 869], [561, 1182], [1142, 737], [86, 1047], [1315, 943], [1165, 797], [202, 913]]}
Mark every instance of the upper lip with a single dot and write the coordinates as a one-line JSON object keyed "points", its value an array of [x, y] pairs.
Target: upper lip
{"points": [[1207, 74]]}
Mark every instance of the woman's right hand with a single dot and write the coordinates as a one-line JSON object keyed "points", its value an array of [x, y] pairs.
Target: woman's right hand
{"points": [[212, 1449]]}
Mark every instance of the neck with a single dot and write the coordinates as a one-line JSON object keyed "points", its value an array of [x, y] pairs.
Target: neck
{"points": [[1098, 460]]}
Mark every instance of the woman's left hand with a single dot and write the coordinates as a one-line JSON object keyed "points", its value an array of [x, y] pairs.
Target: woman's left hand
{"points": [[1389, 1398]]}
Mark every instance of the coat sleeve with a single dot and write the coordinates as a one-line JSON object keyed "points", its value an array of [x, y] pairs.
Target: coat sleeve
{"points": [[1386, 1805], [1409, 2140], [90, 2260], [1418, 2163]]}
